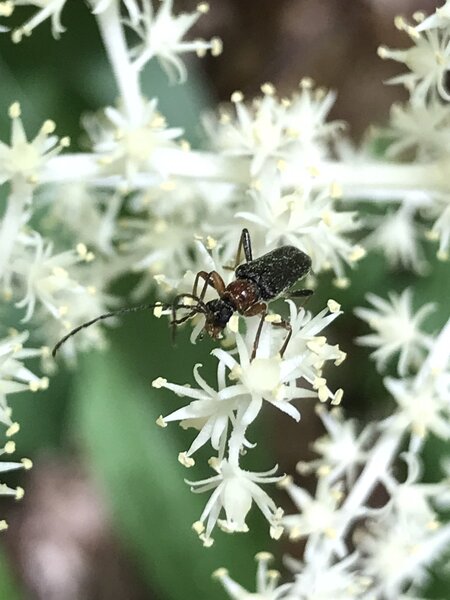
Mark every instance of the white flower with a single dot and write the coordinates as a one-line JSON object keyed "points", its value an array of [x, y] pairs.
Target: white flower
{"points": [[396, 555], [412, 501], [26, 159], [306, 117], [159, 248], [266, 582], [267, 377], [210, 412], [422, 408], [317, 514], [234, 491], [422, 128], [316, 581], [396, 235], [440, 18], [428, 61], [259, 131], [271, 129], [47, 9], [45, 276], [14, 376], [162, 36], [307, 220], [5, 467], [313, 348], [127, 146], [396, 330], [341, 450]]}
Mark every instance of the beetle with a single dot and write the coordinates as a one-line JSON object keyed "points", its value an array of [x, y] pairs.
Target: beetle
{"points": [[257, 282]]}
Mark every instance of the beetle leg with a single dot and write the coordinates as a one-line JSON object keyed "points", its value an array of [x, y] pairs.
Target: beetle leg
{"points": [[301, 294], [259, 308], [246, 244], [176, 305], [213, 279], [286, 325]]}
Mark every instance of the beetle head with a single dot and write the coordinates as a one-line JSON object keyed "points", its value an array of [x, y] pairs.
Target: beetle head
{"points": [[218, 313]]}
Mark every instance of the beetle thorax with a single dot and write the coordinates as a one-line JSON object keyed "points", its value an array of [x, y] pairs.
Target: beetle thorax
{"points": [[242, 293]]}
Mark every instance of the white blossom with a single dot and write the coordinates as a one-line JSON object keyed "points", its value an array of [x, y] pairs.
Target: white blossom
{"points": [[428, 61], [26, 159], [162, 34], [235, 490], [14, 376], [341, 581], [47, 9], [46, 277], [271, 129], [128, 147], [313, 348], [267, 377], [341, 450], [439, 19], [413, 502], [422, 128], [318, 514], [396, 235], [210, 412], [308, 220], [267, 587], [7, 466], [396, 330], [423, 408], [396, 555]]}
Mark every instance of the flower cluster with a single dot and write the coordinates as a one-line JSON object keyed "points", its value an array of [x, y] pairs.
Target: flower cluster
{"points": [[15, 377], [421, 126], [354, 551], [142, 200], [244, 385]]}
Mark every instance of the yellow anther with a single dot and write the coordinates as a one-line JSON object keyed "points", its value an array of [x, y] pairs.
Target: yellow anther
{"points": [[220, 573], [264, 556], [160, 422], [185, 460], [14, 110], [268, 89], [333, 306], [198, 527], [12, 429], [203, 8], [48, 127], [216, 46], [10, 447], [159, 382], [27, 463]]}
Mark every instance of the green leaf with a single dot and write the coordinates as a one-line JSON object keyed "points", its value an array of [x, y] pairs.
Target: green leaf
{"points": [[137, 464]]}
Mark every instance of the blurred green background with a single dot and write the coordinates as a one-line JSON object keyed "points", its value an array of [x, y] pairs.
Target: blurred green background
{"points": [[106, 512]]}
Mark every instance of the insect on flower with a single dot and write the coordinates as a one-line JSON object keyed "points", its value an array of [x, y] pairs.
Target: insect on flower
{"points": [[257, 282]]}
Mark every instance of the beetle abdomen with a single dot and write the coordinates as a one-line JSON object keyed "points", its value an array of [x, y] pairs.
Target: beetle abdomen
{"points": [[276, 271]]}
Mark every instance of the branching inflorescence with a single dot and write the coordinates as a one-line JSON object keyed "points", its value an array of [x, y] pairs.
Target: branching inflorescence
{"points": [[277, 166]]}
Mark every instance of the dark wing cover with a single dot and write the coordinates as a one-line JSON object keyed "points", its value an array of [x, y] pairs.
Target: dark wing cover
{"points": [[276, 271]]}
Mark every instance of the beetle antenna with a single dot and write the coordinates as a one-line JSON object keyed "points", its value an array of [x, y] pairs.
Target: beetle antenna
{"points": [[121, 311]]}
